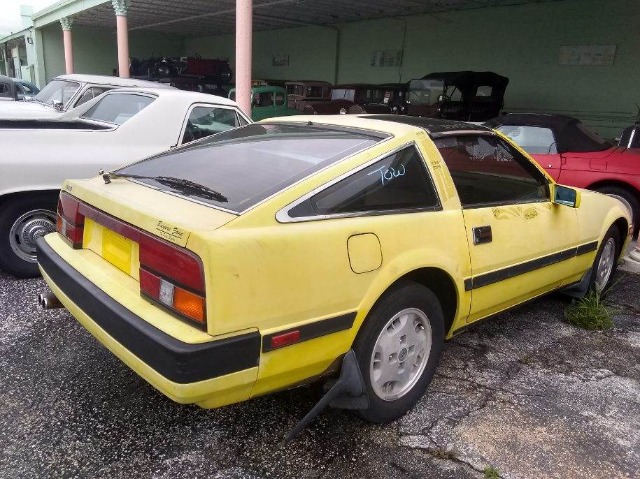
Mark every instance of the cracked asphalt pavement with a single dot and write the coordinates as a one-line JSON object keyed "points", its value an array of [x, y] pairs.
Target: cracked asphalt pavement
{"points": [[524, 393]]}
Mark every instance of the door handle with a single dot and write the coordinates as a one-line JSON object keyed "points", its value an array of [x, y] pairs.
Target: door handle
{"points": [[482, 234]]}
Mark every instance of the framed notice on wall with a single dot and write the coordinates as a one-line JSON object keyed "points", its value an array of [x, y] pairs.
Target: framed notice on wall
{"points": [[386, 58], [587, 55], [281, 60]]}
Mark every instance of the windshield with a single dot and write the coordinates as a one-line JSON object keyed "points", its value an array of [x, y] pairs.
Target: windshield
{"points": [[249, 164], [343, 94], [425, 92], [379, 96], [58, 91]]}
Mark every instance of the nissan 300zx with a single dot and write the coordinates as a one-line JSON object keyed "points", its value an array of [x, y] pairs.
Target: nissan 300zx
{"points": [[303, 248]]}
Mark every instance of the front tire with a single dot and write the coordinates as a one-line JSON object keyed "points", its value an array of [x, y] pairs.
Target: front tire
{"points": [[606, 262], [398, 350], [22, 222]]}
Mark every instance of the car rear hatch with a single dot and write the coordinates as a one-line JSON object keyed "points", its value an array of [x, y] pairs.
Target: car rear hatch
{"points": [[133, 242]]}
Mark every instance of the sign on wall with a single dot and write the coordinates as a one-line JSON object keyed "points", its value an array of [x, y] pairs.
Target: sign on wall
{"points": [[587, 55], [386, 58], [281, 60]]}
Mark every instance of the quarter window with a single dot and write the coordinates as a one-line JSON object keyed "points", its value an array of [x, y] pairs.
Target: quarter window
{"points": [[204, 121], [398, 182], [117, 108], [488, 171]]}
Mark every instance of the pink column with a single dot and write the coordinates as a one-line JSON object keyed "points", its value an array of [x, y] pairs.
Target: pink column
{"points": [[244, 32], [123, 46], [68, 44]]}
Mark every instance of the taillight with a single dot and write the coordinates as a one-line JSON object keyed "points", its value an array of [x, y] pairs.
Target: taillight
{"points": [[170, 275], [173, 277], [70, 222]]}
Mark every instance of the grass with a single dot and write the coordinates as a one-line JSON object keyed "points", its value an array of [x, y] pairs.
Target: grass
{"points": [[491, 473], [590, 313]]}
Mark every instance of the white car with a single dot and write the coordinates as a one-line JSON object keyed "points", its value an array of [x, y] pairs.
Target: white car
{"points": [[119, 127], [66, 92]]}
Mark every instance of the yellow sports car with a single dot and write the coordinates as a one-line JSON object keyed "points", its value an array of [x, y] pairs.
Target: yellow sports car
{"points": [[311, 247]]}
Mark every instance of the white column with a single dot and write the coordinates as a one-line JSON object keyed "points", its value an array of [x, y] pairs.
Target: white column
{"points": [[244, 38]]}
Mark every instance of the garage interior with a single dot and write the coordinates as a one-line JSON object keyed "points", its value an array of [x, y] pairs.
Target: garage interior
{"points": [[549, 49]]}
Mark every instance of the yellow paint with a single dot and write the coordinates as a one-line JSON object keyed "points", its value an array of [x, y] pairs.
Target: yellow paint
{"points": [[265, 276], [364, 253]]}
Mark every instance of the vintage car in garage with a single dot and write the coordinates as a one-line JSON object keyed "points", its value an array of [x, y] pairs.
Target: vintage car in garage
{"points": [[65, 92], [267, 101], [361, 98], [116, 128], [309, 246], [302, 92], [575, 155], [460, 95]]}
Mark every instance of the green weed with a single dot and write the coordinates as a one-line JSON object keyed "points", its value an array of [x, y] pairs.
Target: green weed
{"points": [[491, 473], [590, 312]]}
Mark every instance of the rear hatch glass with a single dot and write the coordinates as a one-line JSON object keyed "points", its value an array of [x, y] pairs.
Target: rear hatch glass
{"points": [[241, 167]]}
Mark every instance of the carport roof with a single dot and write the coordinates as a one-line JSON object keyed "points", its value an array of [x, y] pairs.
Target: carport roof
{"points": [[195, 18]]}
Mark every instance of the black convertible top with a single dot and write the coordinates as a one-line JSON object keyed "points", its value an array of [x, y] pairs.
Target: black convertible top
{"points": [[570, 134]]}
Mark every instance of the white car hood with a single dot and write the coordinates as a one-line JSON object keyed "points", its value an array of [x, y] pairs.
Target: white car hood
{"points": [[24, 110]]}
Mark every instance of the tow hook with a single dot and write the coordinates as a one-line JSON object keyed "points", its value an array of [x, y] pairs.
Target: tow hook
{"points": [[49, 301], [348, 392]]}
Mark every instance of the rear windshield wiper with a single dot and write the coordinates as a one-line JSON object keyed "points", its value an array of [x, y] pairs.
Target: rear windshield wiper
{"points": [[180, 184]]}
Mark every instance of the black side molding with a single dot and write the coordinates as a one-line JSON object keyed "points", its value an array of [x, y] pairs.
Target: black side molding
{"points": [[538, 263]]}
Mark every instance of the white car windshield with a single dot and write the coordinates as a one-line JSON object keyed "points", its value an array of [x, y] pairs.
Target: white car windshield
{"points": [[58, 91]]}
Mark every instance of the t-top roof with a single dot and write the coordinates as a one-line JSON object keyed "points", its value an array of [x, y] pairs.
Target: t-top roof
{"points": [[433, 126]]}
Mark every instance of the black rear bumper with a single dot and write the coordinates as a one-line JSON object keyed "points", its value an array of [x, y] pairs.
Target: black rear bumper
{"points": [[175, 360]]}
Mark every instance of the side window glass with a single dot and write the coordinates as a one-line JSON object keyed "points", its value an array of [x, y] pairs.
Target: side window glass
{"points": [[453, 94], [204, 121], [488, 171], [532, 139], [5, 90], [398, 182], [484, 91], [90, 94], [117, 108]]}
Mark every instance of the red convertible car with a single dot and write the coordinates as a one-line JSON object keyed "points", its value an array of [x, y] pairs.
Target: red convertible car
{"points": [[575, 155]]}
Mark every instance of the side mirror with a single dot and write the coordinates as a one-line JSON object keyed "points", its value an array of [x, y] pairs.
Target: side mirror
{"points": [[563, 195], [58, 105], [440, 97]]}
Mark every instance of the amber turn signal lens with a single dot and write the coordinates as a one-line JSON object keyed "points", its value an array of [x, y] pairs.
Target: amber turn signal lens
{"points": [[189, 304]]}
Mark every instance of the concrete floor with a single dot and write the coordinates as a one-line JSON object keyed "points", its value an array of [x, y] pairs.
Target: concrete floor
{"points": [[524, 393]]}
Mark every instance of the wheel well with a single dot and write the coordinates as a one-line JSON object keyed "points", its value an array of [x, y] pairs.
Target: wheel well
{"points": [[616, 184], [442, 286], [623, 228], [26, 194]]}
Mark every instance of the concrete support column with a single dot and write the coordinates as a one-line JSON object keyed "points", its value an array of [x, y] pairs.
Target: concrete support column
{"points": [[121, 7], [66, 23], [244, 39]]}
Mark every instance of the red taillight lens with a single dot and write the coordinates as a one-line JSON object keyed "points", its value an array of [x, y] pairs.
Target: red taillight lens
{"points": [[173, 277], [70, 222]]}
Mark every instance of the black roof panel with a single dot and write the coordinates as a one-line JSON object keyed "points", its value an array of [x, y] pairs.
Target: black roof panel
{"points": [[433, 126]]}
